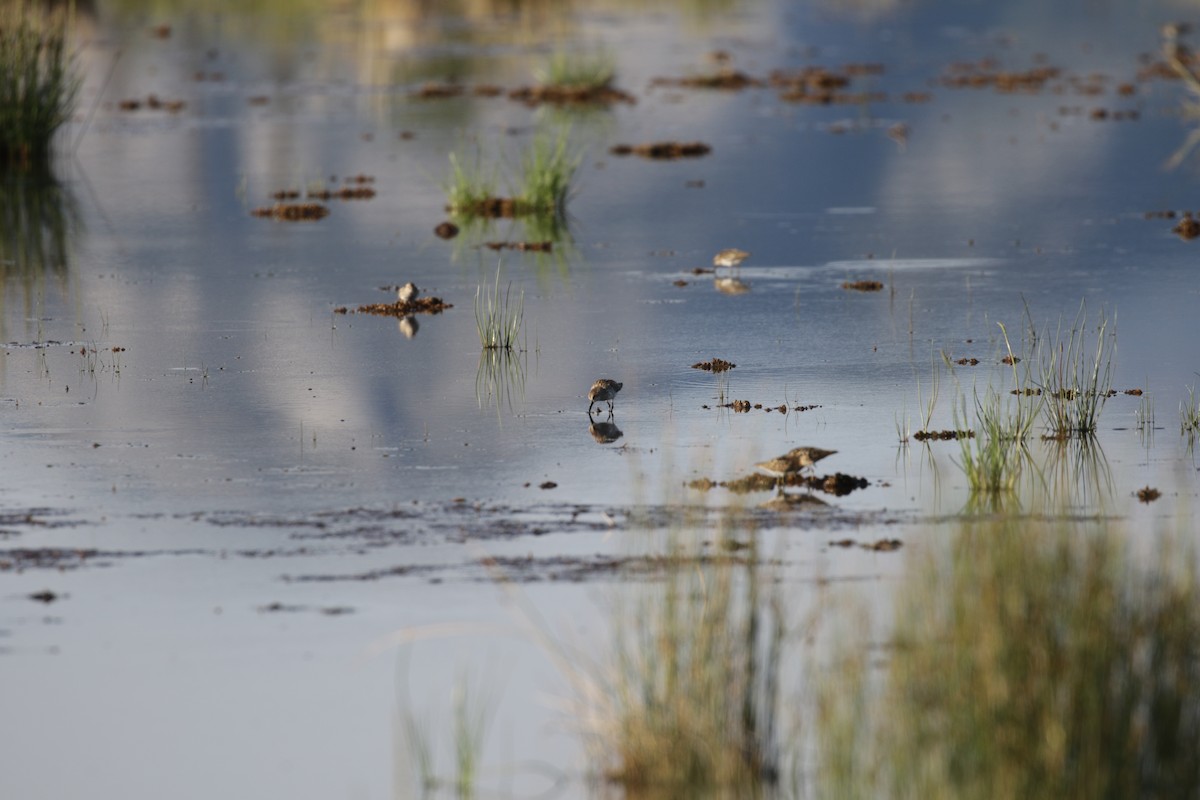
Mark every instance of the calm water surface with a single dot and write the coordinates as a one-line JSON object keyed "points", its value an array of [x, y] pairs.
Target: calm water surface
{"points": [[246, 445]]}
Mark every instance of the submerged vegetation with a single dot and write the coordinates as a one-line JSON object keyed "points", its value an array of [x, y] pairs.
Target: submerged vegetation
{"points": [[39, 83], [1028, 661]]}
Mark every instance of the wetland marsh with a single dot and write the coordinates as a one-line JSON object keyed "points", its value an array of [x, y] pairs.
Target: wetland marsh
{"points": [[270, 528]]}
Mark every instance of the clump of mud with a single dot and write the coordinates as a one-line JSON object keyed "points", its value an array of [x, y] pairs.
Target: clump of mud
{"points": [[152, 103], [1187, 228], [838, 484], [534, 96], [293, 212], [945, 436], [716, 365], [418, 305], [744, 406], [522, 247], [879, 546], [727, 79], [862, 286], [665, 151]]}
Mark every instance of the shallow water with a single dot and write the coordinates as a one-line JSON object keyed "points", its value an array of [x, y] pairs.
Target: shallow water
{"points": [[250, 446]]}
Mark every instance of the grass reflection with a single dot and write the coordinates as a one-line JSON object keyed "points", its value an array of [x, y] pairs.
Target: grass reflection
{"points": [[1028, 661], [39, 218], [500, 378]]}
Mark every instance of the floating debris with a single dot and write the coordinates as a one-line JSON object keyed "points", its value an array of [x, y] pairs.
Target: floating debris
{"points": [[1148, 494], [967, 362], [446, 230], [716, 365], [880, 546], [438, 91], [727, 79], [524, 247], [947, 435], [345, 193], [153, 103], [862, 286], [293, 212], [663, 150], [571, 95]]}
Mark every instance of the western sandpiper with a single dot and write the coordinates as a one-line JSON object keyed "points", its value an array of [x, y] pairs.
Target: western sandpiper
{"points": [[730, 257], [603, 390], [407, 292], [793, 461]]}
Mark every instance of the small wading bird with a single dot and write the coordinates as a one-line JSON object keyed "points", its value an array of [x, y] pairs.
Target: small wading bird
{"points": [[791, 462], [603, 390], [730, 257], [407, 292]]}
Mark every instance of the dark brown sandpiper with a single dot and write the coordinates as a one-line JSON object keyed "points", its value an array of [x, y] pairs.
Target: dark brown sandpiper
{"points": [[603, 390]]}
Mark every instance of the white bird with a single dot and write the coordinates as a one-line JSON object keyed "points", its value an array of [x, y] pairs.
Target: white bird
{"points": [[407, 292]]}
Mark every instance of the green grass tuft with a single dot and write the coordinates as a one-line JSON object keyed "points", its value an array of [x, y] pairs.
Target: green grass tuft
{"points": [[39, 84], [1189, 414], [469, 186], [547, 169], [574, 71], [1076, 380], [498, 319]]}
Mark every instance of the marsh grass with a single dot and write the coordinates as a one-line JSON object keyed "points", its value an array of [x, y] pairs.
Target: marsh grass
{"points": [[927, 406], [1189, 414], [39, 83], [547, 169], [1024, 660], [1076, 376], [995, 457], [471, 718], [577, 71], [469, 184], [690, 707], [499, 319]]}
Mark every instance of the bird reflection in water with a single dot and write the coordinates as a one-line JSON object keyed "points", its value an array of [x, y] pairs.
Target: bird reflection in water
{"points": [[605, 432], [409, 326]]}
